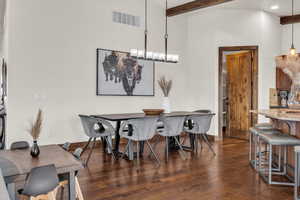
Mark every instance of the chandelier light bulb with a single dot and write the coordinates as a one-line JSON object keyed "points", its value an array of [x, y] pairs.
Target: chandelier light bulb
{"points": [[141, 54], [293, 50], [134, 52], [149, 55]]}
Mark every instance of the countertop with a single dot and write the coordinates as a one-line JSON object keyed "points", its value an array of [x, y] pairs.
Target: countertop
{"points": [[280, 114]]}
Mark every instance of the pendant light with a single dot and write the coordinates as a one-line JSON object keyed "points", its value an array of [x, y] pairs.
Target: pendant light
{"points": [[293, 49], [154, 56]]}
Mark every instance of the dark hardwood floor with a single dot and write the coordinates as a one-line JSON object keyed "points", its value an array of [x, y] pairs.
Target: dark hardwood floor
{"points": [[226, 176]]}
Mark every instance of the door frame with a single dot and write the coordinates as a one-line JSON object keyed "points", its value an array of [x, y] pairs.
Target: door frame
{"points": [[254, 80]]}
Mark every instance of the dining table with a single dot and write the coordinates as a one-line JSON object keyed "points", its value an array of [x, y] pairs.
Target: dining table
{"points": [[17, 164], [118, 118]]}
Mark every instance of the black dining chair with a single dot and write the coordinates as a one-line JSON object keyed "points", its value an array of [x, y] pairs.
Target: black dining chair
{"points": [[203, 111], [19, 145], [41, 183]]}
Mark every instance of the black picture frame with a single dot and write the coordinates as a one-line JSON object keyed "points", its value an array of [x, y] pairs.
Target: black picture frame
{"points": [[98, 93]]}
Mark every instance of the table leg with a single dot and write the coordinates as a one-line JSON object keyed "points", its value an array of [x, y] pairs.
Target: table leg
{"points": [[117, 137], [192, 141], [142, 144], [11, 191], [104, 145], [72, 192]]}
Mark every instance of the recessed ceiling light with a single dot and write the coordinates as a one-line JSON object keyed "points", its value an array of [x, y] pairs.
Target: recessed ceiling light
{"points": [[274, 7]]}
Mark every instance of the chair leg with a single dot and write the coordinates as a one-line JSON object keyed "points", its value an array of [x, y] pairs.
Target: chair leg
{"points": [[109, 145], [196, 143], [184, 138], [87, 145], [182, 154], [89, 156], [126, 149], [192, 141], [151, 149], [208, 143], [138, 153], [201, 143], [78, 190], [155, 143], [167, 149], [52, 195]]}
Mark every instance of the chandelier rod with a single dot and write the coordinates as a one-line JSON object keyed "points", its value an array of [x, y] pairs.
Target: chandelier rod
{"points": [[146, 29], [292, 24], [166, 32]]}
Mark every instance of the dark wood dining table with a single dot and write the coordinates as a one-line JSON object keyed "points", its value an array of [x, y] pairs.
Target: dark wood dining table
{"points": [[17, 164], [118, 118]]}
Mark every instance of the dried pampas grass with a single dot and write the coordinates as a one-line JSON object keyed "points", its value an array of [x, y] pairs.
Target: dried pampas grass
{"points": [[36, 127], [290, 64], [165, 85]]}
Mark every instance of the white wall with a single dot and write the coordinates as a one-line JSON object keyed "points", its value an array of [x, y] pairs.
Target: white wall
{"points": [[215, 27], [2, 27], [52, 59], [52, 62]]}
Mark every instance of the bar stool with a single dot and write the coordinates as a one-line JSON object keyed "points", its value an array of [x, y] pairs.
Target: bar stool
{"points": [[296, 173], [253, 141], [271, 140]]}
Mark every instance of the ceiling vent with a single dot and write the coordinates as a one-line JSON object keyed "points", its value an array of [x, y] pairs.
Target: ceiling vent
{"points": [[123, 18]]}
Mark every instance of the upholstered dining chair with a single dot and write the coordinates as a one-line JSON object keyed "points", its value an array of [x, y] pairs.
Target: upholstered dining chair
{"points": [[173, 127], [139, 130], [203, 111], [97, 128], [63, 178], [19, 145], [200, 127], [41, 184]]}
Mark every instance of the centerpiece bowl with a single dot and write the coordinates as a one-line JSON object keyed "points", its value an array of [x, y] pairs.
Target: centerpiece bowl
{"points": [[153, 111]]}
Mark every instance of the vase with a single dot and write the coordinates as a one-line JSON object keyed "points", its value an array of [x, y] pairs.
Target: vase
{"points": [[294, 95], [166, 105], [35, 150]]}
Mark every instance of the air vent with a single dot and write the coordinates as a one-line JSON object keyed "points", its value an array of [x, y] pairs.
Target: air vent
{"points": [[124, 18]]}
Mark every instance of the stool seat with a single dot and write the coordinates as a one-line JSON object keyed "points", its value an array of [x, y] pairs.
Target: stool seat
{"points": [[264, 126], [257, 131], [277, 138]]}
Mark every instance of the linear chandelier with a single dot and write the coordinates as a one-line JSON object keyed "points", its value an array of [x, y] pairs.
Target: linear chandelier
{"points": [[154, 56]]}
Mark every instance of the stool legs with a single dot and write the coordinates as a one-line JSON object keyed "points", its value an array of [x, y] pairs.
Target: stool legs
{"points": [[270, 164], [267, 174], [296, 174]]}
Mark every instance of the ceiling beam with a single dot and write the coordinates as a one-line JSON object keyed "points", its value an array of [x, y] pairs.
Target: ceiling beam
{"points": [[290, 19], [194, 5]]}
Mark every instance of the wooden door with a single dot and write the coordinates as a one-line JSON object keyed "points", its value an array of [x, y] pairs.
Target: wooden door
{"points": [[239, 88]]}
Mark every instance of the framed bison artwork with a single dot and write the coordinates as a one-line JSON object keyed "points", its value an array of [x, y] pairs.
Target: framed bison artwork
{"points": [[118, 74]]}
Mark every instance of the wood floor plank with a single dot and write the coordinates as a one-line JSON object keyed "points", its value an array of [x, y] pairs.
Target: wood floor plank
{"points": [[226, 176]]}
